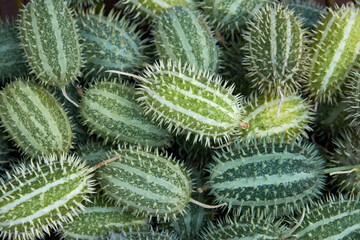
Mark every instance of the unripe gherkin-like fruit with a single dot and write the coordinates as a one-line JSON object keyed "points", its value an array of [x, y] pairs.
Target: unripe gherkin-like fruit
{"points": [[353, 99], [98, 219], [109, 109], [147, 233], [267, 177], [182, 34], [110, 43], [12, 60], [93, 153], [146, 182], [190, 101], [34, 119], [82, 3], [42, 195], [335, 49], [292, 122], [50, 39], [229, 16], [334, 218], [275, 50]]}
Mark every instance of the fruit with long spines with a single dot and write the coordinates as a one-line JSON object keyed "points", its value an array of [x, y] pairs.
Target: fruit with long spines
{"points": [[334, 54], [267, 177], [12, 59], [109, 109], [292, 122], [191, 102], [146, 182], [275, 50], [182, 34], [42, 195], [352, 96], [82, 3], [51, 41], [146, 233], [93, 153], [110, 42], [34, 119]]}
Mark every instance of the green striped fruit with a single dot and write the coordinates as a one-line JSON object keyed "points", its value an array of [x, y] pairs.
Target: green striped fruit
{"points": [[146, 182], [275, 50], [12, 60], [5, 147], [42, 195], [148, 233], [336, 218], [82, 3], [182, 34], [243, 229], [293, 120], [346, 153], [50, 39], [109, 109], [229, 16], [93, 153], [334, 53], [34, 119], [353, 99], [110, 43], [98, 219], [267, 177], [190, 101]]}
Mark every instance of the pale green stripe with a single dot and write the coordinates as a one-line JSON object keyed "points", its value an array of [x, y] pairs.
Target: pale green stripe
{"points": [[344, 233], [232, 10], [119, 100], [273, 39], [165, 44]]}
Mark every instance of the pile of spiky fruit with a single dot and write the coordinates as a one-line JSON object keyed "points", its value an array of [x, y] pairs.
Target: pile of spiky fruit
{"points": [[111, 150]]}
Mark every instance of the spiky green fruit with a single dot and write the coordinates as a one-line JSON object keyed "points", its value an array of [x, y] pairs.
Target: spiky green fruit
{"points": [[146, 182], [98, 219], [243, 229], [148, 233], [353, 101], [34, 119], [335, 48], [93, 152], [190, 101], [308, 10], [110, 43], [109, 109], [275, 50], [267, 177], [5, 147], [50, 39], [229, 16], [12, 59], [292, 122], [182, 34], [82, 3], [42, 195], [334, 218]]}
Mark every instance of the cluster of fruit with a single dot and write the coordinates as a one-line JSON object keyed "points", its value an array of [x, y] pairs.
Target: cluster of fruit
{"points": [[154, 143]]}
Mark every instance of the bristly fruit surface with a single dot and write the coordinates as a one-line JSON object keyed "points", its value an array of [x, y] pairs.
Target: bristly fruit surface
{"points": [[42, 195], [193, 102], [34, 119], [182, 34], [352, 99], [50, 39], [266, 177]]}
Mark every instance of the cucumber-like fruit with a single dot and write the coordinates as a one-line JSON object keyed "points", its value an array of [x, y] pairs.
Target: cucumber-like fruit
{"points": [[193, 102], [146, 182], [109, 110], [82, 3], [110, 42], [93, 153], [275, 50], [147, 233], [182, 34], [34, 119], [42, 195], [352, 94], [50, 38], [267, 177]]}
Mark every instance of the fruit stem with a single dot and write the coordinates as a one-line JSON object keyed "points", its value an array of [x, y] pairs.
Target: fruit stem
{"points": [[67, 97], [203, 188], [288, 234], [126, 74], [205, 205], [102, 164], [281, 101], [340, 170]]}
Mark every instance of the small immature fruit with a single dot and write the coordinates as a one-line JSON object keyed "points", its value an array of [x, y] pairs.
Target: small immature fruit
{"points": [[182, 34], [267, 177], [110, 43], [34, 119], [335, 49], [12, 59], [50, 39], [275, 50], [146, 182], [190, 101], [335, 218], [42, 195], [93, 153], [293, 120], [98, 219], [109, 109]]}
